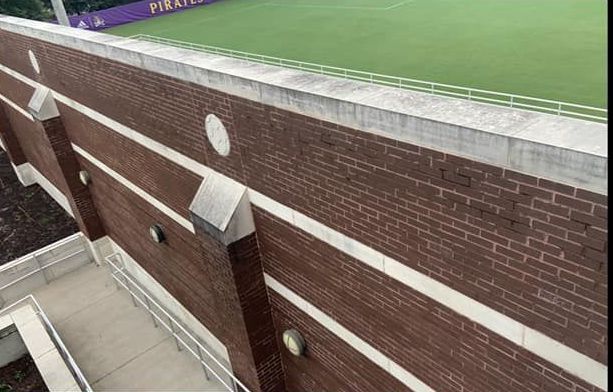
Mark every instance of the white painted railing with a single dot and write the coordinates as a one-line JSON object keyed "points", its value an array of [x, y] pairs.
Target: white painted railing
{"points": [[55, 337], [161, 317], [472, 94], [21, 276]]}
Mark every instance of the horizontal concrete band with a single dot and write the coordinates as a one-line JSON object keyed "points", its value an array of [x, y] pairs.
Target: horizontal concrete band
{"points": [[549, 349], [561, 149], [16, 107], [348, 337], [29, 175]]}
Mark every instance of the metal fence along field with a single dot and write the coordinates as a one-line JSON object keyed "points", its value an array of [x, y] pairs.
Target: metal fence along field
{"points": [[485, 96]]}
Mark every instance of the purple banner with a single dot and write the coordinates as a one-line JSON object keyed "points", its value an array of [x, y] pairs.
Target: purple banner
{"points": [[132, 12]]}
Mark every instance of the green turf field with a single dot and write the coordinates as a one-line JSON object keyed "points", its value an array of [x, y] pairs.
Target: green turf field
{"points": [[554, 49]]}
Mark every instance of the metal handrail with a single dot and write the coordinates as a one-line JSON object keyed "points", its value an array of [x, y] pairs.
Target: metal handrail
{"points": [[473, 94], [172, 325], [68, 359], [40, 268]]}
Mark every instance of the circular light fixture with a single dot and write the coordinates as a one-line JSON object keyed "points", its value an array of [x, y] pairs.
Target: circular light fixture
{"points": [[294, 342], [217, 134], [156, 232], [84, 177], [33, 61]]}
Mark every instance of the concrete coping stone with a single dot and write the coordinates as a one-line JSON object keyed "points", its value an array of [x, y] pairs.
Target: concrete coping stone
{"points": [[50, 364], [562, 149]]}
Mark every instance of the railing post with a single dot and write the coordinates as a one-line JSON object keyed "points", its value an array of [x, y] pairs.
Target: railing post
{"points": [[174, 334], [206, 372], [559, 108], [511, 101], [40, 268], [155, 323], [131, 294]]}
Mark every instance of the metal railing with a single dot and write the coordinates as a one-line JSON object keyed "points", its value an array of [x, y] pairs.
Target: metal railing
{"points": [[161, 317], [41, 268], [59, 344], [471, 94]]}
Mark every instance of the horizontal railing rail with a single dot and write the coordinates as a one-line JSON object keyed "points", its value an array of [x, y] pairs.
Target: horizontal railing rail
{"points": [[57, 340], [473, 94], [201, 353], [41, 268]]}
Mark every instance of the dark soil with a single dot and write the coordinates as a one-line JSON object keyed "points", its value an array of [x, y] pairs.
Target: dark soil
{"points": [[29, 217], [21, 376]]}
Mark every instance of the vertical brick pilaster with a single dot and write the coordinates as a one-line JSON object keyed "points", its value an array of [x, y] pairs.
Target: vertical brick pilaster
{"points": [[9, 140], [78, 194], [43, 108], [231, 257]]}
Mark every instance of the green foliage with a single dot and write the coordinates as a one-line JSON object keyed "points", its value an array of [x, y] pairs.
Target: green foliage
{"points": [[42, 9], [19, 375], [4, 387], [83, 6], [30, 9]]}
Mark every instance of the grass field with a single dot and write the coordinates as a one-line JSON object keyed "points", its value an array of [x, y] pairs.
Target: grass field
{"points": [[554, 49]]}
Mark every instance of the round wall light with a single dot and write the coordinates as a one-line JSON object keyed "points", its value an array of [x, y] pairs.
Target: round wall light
{"points": [[294, 342], [84, 177], [217, 134], [157, 233]]}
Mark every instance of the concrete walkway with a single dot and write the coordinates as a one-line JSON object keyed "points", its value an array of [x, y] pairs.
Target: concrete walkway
{"points": [[114, 343]]}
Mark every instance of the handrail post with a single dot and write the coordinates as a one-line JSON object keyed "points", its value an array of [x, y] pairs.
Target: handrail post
{"points": [[155, 323], [174, 334], [40, 268], [131, 294], [206, 372]]}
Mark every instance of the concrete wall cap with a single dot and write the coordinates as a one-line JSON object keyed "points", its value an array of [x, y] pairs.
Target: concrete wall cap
{"points": [[562, 149]]}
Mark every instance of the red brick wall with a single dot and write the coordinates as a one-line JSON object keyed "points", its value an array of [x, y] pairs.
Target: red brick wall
{"points": [[175, 263], [525, 246], [36, 148], [443, 349], [328, 364]]}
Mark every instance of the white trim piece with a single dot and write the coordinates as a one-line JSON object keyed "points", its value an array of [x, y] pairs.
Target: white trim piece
{"points": [[16, 107], [2, 145], [131, 186], [51, 189], [348, 337], [571, 360], [24, 173]]}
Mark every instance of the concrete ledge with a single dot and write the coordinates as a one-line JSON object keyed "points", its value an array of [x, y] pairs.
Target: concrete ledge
{"points": [[561, 149], [20, 277], [34, 336], [24, 174], [221, 208]]}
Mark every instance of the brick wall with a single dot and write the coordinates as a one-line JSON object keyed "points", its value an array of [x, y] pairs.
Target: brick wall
{"points": [[530, 248], [443, 349], [36, 147]]}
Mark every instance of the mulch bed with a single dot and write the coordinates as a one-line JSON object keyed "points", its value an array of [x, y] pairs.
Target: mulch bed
{"points": [[21, 376], [29, 217]]}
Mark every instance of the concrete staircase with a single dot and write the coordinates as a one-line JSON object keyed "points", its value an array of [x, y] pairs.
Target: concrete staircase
{"points": [[115, 344]]}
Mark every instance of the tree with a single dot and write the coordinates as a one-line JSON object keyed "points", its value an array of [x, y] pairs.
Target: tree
{"points": [[30, 9], [83, 6]]}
